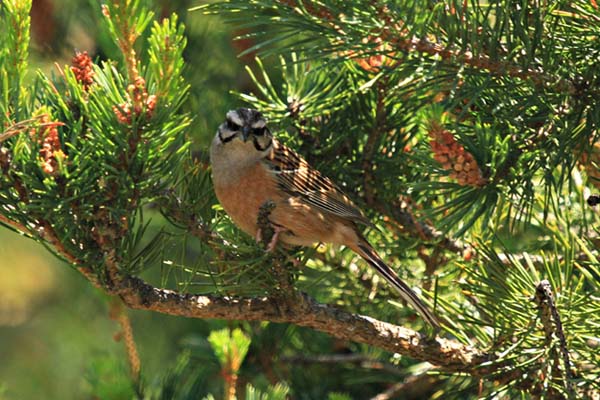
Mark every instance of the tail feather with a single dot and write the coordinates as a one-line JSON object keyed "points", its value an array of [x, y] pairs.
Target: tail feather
{"points": [[368, 253]]}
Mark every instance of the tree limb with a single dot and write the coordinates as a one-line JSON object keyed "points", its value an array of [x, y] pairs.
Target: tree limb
{"points": [[447, 354]]}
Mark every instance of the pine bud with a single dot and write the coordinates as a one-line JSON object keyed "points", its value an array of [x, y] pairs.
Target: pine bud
{"points": [[138, 100], [83, 69], [46, 135]]}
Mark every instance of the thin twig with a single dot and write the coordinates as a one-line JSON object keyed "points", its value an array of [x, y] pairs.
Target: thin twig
{"points": [[20, 126], [400, 214], [549, 315], [46, 232], [358, 359], [414, 387], [373, 141], [15, 225], [508, 259], [49, 235], [178, 214], [119, 313]]}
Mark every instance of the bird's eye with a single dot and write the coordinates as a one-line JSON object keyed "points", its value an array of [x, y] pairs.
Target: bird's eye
{"points": [[258, 131], [232, 126]]}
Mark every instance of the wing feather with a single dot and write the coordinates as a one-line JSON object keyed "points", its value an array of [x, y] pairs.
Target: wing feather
{"points": [[297, 178]]}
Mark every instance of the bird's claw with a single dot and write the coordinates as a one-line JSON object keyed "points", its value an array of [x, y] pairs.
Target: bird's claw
{"points": [[277, 230]]}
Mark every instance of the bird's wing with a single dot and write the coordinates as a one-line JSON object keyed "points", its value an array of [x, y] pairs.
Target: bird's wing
{"points": [[297, 178]]}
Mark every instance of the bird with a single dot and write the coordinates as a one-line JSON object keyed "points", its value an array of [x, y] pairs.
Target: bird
{"points": [[250, 167]]}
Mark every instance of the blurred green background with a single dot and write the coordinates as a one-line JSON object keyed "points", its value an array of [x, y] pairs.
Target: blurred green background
{"points": [[56, 337]]}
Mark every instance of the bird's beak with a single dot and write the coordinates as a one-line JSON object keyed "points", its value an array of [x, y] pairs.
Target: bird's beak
{"points": [[245, 133]]}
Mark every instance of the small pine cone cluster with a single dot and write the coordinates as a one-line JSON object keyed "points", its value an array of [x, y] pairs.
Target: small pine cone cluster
{"points": [[138, 102], [373, 63], [83, 69], [46, 134], [454, 158]]}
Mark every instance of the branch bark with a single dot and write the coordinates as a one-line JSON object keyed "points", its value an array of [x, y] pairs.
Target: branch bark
{"points": [[305, 311]]}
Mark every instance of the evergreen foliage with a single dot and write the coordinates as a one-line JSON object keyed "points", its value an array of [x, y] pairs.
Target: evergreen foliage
{"points": [[466, 131]]}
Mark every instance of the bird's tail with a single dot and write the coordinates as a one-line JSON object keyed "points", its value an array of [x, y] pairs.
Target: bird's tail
{"points": [[367, 252]]}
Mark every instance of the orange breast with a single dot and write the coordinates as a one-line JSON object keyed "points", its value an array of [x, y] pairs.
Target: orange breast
{"points": [[241, 198]]}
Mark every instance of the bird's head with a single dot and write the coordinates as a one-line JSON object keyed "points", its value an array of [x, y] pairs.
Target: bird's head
{"points": [[246, 127]]}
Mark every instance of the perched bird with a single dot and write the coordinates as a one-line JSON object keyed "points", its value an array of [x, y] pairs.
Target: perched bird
{"points": [[250, 168]]}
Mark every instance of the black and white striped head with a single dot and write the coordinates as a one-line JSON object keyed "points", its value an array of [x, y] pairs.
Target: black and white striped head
{"points": [[245, 126]]}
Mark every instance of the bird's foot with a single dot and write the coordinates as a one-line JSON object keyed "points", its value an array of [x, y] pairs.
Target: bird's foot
{"points": [[277, 231], [258, 236], [267, 232]]}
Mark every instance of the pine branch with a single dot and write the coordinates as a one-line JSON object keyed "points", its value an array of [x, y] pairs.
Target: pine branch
{"points": [[400, 38], [305, 311], [45, 232], [300, 309], [483, 62]]}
